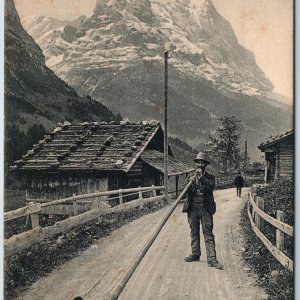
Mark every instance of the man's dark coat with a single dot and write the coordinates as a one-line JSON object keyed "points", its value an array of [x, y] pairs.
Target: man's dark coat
{"points": [[208, 182], [239, 181]]}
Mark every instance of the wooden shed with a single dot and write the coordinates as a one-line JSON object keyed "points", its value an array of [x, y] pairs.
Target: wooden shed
{"points": [[90, 157], [279, 155]]}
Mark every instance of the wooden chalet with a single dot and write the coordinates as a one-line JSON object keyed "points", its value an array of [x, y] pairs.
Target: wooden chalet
{"points": [[279, 155], [90, 157]]}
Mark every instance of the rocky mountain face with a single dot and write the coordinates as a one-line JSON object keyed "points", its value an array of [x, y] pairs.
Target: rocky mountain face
{"points": [[33, 93], [116, 55]]}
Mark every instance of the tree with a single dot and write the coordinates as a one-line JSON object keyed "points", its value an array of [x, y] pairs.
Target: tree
{"points": [[224, 144], [245, 161], [256, 168], [34, 133], [17, 143]]}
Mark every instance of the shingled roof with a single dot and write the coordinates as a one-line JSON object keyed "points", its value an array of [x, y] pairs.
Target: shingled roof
{"points": [[274, 140], [156, 160], [93, 146], [90, 146]]}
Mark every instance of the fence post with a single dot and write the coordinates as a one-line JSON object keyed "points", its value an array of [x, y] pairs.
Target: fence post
{"points": [[177, 185], [279, 233], [140, 194], [261, 206], [153, 190], [74, 206], [121, 196], [256, 216], [253, 210], [34, 218], [249, 205]]}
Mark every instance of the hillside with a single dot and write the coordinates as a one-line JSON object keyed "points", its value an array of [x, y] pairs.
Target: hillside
{"points": [[35, 98]]}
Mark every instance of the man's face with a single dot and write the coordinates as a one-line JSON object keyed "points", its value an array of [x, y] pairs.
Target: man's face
{"points": [[201, 164]]}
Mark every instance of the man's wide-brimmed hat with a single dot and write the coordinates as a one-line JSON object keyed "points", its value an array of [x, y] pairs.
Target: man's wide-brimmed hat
{"points": [[201, 156]]}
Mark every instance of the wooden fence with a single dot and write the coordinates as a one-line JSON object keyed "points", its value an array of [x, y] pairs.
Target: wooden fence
{"points": [[257, 217], [80, 203], [24, 240], [249, 180], [224, 182]]}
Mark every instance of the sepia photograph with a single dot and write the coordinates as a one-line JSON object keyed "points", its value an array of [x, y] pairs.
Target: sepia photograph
{"points": [[149, 150]]}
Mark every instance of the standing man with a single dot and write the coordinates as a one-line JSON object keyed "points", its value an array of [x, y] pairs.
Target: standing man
{"points": [[239, 183], [200, 208]]}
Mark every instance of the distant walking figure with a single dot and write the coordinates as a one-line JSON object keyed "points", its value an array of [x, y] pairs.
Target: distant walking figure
{"points": [[200, 207], [239, 183]]}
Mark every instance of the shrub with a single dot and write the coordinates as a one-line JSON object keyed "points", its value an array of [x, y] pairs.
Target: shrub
{"points": [[279, 195]]}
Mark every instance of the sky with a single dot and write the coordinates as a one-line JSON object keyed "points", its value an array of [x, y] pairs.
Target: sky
{"points": [[266, 28], [263, 26]]}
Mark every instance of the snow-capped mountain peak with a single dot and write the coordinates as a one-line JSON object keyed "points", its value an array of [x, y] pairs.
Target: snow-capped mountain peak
{"points": [[116, 55]]}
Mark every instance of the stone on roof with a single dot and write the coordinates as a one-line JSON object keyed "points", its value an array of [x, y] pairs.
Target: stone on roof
{"points": [[90, 146], [156, 160], [274, 140]]}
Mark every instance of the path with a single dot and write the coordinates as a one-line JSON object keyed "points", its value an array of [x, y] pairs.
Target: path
{"points": [[162, 274]]}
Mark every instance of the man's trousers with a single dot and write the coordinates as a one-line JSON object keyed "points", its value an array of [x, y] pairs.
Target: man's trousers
{"points": [[238, 191], [198, 214]]}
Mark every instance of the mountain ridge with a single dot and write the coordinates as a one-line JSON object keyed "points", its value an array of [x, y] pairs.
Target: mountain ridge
{"points": [[116, 55], [33, 93]]}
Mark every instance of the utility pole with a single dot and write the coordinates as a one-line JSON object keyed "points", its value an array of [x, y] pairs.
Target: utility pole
{"points": [[166, 129], [245, 160], [245, 156]]}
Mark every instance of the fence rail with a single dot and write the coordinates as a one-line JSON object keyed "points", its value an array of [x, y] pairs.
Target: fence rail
{"points": [[35, 205], [22, 212], [224, 181], [229, 181], [257, 218], [97, 194], [24, 240]]}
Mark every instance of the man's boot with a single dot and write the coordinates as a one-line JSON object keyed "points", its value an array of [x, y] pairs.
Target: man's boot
{"points": [[192, 257], [215, 264]]}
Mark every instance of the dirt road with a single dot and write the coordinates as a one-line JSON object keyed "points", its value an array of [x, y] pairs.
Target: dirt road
{"points": [[162, 274]]}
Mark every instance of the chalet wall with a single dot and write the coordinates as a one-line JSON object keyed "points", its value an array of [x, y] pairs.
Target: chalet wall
{"points": [[285, 158], [280, 159], [61, 185], [135, 174], [150, 176], [271, 166]]}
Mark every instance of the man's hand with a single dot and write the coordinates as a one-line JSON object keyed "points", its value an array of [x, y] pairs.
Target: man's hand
{"points": [[191, 177], [209, 183]]}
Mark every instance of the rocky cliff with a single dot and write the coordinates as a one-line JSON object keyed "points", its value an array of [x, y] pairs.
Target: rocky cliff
{"points": [[116, 55]]}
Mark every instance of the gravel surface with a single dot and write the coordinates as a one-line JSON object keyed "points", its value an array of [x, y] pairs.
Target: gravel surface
{"points": [[90, 260], [23, 269], [162, 274]]}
